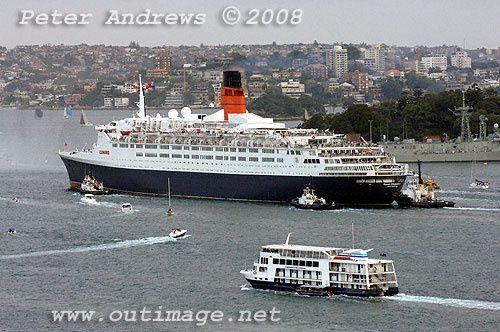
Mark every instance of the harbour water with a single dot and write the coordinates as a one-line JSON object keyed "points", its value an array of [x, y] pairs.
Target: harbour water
{"points": [[67, 255]]}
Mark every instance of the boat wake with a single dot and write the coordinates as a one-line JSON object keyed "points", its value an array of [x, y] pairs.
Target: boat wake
{"points": [[106, 246], [471, 304], [473, 208]]}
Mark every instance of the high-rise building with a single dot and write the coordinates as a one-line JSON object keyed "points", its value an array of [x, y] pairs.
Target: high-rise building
{"points": [[374, 58], [163, 61], [337, 61], [461, 60], [359, 79], [437, 61]]}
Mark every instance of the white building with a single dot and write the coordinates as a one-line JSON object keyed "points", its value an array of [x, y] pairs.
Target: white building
{"points": [[336, 60], [374, 58], [121, 102], [461, 60], [437, 61], [292, 89]]}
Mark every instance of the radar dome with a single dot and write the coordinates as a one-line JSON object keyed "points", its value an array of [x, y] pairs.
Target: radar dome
{"points": [[172, 114], [495, 126], [185, 111]]}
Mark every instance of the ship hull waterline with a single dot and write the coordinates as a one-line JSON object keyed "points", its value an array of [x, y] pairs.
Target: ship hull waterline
{"points": [[239, 187]]}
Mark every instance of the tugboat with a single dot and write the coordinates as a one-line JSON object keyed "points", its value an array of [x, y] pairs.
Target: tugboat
{"points": [[322, 271], [176, 233], [11, 231], [309, 201], [418, 193], [90, 185], [127, 207]]}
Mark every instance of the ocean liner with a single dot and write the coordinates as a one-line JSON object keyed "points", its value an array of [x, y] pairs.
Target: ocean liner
{"points": [[233, 154]]}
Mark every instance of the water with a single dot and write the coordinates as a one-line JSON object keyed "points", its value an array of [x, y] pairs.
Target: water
{"points": [[67, 255]]}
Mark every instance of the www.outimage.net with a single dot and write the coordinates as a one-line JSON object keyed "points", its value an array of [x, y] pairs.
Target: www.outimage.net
{"points": [[200, 317]]}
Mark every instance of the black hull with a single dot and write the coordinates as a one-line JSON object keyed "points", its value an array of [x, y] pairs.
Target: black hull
{"points": [[326, 291], [262, 188], [406, 202]]}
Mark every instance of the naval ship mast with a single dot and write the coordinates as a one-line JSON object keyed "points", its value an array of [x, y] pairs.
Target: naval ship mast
{"points": [[464, 112]]}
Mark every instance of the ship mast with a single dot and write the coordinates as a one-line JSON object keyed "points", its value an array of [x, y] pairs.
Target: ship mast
{"points": [[464, 112], [141, 113]]}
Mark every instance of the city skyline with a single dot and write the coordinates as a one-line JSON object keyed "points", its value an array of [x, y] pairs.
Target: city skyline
{"points": [[390, 22]]}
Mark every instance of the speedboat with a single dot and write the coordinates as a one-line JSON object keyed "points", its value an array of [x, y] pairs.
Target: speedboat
{"points": [[175, 233], [479, 184], [11, 231], [310, 201], [127, 207], [170, 212], [88, 198], [15, 200]]}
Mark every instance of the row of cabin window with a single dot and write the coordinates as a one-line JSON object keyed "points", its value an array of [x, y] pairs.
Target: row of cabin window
{"points": [[208, 157], [295, 262], [348, 168], [311, 161], [194, 148]]}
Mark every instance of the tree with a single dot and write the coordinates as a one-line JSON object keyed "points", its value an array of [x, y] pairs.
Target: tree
{"points": [[353, 53], [392, 89]]}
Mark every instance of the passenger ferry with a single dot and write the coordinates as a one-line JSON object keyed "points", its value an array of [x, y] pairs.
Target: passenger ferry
{"points": [[233, 154], [322, 271]]}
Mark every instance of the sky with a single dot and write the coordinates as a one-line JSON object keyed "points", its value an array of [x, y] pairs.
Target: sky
{"points": [[474, 24]]}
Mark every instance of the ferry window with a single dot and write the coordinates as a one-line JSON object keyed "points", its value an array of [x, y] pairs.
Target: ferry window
{"points": [[138, 146], [163, 155], [186, 156], [226, 158], [315, 264], [242, 150], [175, 147], [302, 263], [164, 147], [262, 269], [288, 262], [295, 262], [195, 148], [253, 150], [131, 146], [150, 155], [218, 157], [282, 261], [242, 158], [195, 156], [233, 149], [226, 149], [233, 158], [176, 156], [207, 148], [268, 160], [276, 261], [308, 263], [138, 154], [207, 157], [267, 150], [115, 145], [253, 159], [280, 160], [124, 145], [297, 153], [186, 148], [218, 149], [148, 146]]}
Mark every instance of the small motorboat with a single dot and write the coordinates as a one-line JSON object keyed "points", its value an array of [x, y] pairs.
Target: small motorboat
{"points": [[169, 212], [127, 207], [310, 201], [11, 231], [15, 200], [88, 198], [479, 184], [176, 233]]}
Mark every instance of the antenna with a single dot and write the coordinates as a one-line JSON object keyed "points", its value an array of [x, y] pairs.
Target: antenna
{"points": [[288, 238], [352, 231]]}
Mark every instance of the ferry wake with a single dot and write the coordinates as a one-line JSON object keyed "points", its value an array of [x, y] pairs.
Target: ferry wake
{"points": [[233, 154]]}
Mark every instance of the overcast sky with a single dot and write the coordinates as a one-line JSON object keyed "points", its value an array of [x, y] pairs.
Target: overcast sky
{"points": [[394, 22]]}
